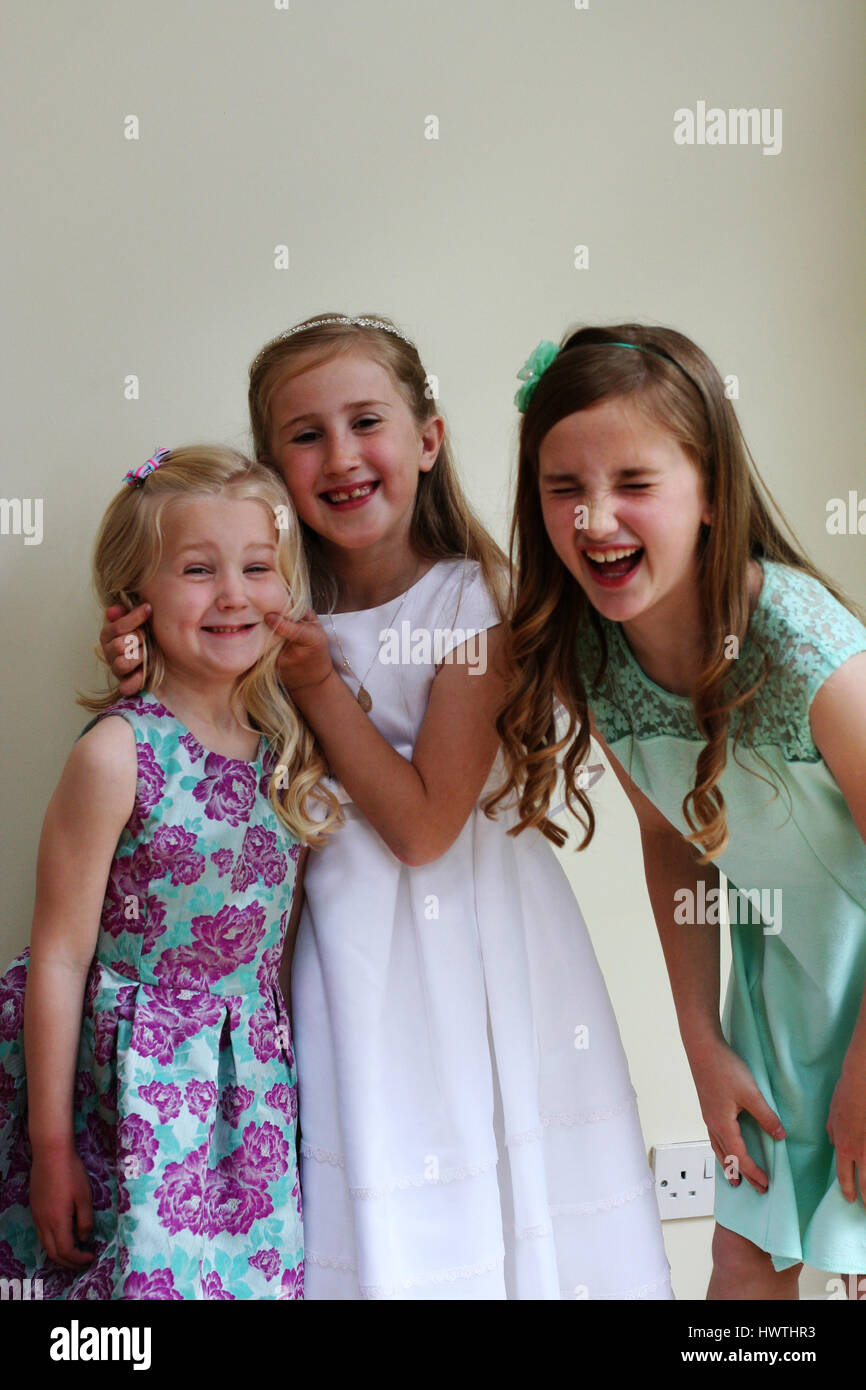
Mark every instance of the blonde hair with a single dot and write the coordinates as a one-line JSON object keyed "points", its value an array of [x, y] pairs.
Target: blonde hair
{"points": [[443, 525], [126, 554], [678, 387]]}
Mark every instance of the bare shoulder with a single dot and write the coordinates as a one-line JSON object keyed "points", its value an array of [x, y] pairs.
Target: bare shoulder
{"points": [[102, 771]]}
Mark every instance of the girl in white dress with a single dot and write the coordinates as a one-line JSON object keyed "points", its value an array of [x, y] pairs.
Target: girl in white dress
{"points": [[469, 1129]]}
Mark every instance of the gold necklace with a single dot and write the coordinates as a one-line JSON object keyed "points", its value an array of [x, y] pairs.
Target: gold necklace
{"points": [[364, 698]]}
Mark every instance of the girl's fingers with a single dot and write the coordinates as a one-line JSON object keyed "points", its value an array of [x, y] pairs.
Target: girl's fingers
{"points": [[119, 621], [84, 1218], [769, 1121], [845, 1172], [734, 1148]]}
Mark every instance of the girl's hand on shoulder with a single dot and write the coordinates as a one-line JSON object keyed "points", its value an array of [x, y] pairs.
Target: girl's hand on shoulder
{"points": [[62, 1207], [305, 658], [725, 1088], [846, 1127], [122, 643]]}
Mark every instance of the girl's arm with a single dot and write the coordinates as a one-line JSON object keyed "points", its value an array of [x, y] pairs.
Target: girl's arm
{"points": [[85, 816], [838, 720], [418, 806], [724, 1083]]}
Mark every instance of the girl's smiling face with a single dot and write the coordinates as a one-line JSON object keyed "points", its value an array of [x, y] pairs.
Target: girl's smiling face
{"points": [[623, 504], [350, 451], [216, 580]]}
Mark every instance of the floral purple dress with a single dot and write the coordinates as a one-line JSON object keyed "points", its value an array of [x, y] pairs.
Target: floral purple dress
{"points": [[185, 1094]]}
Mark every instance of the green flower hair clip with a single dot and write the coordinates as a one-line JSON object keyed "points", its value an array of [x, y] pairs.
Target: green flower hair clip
{"points": [[532, 371]]}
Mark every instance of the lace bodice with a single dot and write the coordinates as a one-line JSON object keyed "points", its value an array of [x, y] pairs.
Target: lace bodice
{"points": [[801, 629]]}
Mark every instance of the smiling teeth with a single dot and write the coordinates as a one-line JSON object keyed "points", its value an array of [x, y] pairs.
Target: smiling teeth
{"points": [[604, 557], [350, 496]]}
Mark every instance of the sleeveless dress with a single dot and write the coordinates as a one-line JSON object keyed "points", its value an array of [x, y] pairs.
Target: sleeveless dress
{"points": [[185, 1090], [796, 900], [468, 1126]]}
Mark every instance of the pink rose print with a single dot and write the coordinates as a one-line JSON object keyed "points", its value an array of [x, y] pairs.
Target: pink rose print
{"points": [[10, 1267], [164, 1021], [227, 789], [223, 860], [292, 1284], [284, 1099], [263, 1035], [212, 1288], [137, 1145], [268, 1261], [7, 1093], [151, 784], [223, 942], [201, 1097], [265, 1153], [259, 858], [269, 766], [233, 1102], [96, 1148], [233, 1203], [166, 1099], [269, 969], [12, 988], [159, 1284], [173, 852], [154, 923], [125, 893], [95, 1283], [181, 1193], [192, 746]]}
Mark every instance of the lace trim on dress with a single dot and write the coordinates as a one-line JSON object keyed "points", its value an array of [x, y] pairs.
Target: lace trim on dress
{"points": [[641, 1291], [312, 1257], [469, 1170], [440, 1276], [804, 633], [569, 1118], [621, 1199], [322, 1155]]}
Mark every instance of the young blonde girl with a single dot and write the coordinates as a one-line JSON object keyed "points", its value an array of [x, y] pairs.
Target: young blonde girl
{"points": [[660, 601], [469, 1130], [148, 1147]]}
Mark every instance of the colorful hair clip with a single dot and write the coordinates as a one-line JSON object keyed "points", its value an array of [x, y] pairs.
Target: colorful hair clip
{"points": [[139, 473], [532, 371]]}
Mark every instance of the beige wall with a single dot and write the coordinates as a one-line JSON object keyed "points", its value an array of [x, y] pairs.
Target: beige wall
{"points": [[306, 127]]}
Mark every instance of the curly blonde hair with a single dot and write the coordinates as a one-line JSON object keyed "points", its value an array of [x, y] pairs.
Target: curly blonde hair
{"points": [[126, 554]]}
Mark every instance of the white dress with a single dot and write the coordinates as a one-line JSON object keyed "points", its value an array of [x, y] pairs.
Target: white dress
{"points": [[468, 1126]]}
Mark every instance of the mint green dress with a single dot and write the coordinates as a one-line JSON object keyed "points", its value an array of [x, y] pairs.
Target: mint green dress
{"points": [[799, 950]]}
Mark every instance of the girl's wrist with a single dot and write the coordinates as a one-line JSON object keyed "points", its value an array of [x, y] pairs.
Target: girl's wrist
{"points": [[54, 1147]]}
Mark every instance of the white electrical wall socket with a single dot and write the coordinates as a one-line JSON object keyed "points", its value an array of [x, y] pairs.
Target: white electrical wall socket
{"points": [[685, 1177]]}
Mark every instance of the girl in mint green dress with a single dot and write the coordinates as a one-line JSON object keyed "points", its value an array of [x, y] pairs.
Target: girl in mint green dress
{"points": [[660, 603]]}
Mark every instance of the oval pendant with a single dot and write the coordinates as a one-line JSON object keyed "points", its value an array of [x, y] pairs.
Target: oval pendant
{"points": [[364, 700]]}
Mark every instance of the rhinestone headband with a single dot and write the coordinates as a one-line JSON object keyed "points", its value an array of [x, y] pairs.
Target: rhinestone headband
{"points": [[355, 322]]}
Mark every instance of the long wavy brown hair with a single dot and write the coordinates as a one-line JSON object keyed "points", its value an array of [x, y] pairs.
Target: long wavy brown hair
{"points": [[443, 525], [677, 386]]}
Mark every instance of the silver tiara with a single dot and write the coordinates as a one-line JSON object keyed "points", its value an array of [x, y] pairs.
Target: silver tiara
{"points": [[344, 318]]}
